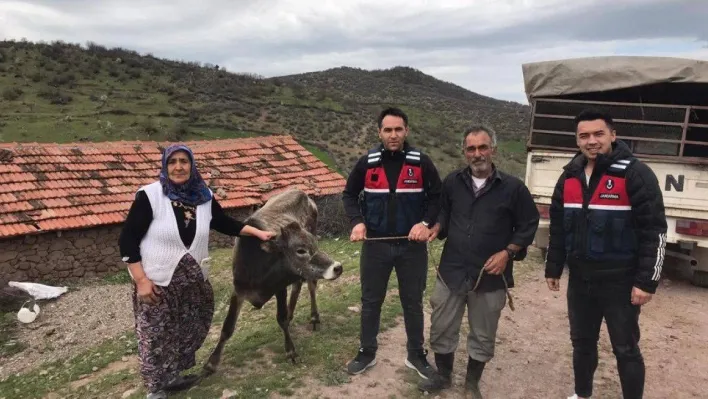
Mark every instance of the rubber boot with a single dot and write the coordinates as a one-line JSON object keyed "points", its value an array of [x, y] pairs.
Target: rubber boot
{"points": [[442, 379], [474, 374]]}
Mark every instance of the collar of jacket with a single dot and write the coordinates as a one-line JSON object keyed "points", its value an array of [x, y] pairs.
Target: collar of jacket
{"points": [[395, 154], [620, 150], [465, 173]]}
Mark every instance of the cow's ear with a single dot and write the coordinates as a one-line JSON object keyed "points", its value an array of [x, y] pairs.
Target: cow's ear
{"points": [[290, 228], [275, 244], [280, 241]]}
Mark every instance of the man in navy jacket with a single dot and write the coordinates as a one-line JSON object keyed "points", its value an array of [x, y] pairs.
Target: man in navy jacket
{"points": [[607, 224]]}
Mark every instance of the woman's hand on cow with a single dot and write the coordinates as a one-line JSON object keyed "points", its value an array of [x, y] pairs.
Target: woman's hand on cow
{"points": [[258, 233], [147, 291], [265, 235]]}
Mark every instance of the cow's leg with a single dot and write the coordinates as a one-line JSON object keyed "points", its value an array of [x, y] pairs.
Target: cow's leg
{"points": [[294, 295], [226, 331], [282, 316], [314, 313]]}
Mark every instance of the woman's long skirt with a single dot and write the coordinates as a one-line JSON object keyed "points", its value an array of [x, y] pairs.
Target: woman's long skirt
{"points": [[170, 332]]}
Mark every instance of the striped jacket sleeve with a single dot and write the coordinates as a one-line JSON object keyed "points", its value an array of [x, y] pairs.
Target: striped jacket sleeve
{"points": [[650, 225]]}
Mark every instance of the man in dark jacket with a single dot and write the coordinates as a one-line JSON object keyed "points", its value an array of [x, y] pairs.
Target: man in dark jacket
{"points": [[488, 218], [401, 190], [607, 223]]}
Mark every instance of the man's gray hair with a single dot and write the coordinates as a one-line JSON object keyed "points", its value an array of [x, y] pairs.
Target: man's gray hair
{"points": [[477, 129]]}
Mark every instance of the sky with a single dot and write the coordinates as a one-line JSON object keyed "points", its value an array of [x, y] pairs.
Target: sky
{"points": [[477, 44]]}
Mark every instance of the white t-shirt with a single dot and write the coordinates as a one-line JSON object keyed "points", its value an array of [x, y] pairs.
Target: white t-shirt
{"points": [[479, 182]]}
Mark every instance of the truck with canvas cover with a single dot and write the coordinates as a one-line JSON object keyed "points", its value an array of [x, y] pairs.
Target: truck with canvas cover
{"points": [[660, 109]]}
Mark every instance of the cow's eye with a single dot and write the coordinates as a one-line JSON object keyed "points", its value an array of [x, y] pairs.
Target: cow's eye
{"points": [[301, 251]]}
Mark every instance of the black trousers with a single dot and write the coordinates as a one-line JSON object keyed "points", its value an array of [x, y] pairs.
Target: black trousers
{"points": [[378, 259], [588, 303]]}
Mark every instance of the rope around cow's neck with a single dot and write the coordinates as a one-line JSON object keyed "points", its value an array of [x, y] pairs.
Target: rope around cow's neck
{"points": [[437, 270]]}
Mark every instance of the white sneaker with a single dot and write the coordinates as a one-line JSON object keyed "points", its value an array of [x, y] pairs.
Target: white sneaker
{"points": [[575, 396]]}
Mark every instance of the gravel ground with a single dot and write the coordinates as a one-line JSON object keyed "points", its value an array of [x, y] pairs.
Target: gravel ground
{"points": [[70, 324]]}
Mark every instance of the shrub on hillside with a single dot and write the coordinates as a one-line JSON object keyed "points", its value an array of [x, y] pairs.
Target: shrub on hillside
{"points": [[11, 93], [54, 96], [178, 131], [149, 126], [67, 79]]}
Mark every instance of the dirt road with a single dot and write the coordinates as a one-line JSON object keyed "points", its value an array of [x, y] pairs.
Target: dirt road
{"points": [[533, 358]]}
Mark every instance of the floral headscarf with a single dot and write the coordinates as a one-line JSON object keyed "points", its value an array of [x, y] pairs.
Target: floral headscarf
{"points": [[195, 191]]}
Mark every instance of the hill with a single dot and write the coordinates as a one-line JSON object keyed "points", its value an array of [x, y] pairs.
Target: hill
{"points": [[61, 92]]}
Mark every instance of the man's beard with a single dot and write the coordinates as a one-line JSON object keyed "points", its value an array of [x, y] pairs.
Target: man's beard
{"points": [[479, 166]]}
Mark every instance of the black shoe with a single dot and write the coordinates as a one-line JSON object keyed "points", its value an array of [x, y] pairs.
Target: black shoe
{"points": [[474, 374], [418, 362], [180, 383], [364, 359], [442, 379]]}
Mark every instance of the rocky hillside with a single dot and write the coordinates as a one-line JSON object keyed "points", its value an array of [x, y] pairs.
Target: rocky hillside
{"points": [[63, 92]]}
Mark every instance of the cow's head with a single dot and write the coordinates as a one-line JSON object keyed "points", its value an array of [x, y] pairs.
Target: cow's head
{"points": [[300, 253]]}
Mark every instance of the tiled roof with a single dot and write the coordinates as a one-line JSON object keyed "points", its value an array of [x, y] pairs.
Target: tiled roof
{"points": [[46, 187]]}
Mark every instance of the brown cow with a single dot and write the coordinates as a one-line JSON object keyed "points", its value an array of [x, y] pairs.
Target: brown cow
{"points": [[263, 269]]}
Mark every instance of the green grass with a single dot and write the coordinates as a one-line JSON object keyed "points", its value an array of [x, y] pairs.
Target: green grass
{"points": [[253, 363], [286, 96], [512, 146], [322, 156], [55, 376], [8, 335]]}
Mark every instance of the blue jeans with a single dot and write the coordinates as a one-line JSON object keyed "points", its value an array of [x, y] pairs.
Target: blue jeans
{"points": [[588, 303], [378, 259]]}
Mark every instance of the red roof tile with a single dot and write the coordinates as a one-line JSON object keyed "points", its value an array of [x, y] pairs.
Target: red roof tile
{"points": [[46, 187]]}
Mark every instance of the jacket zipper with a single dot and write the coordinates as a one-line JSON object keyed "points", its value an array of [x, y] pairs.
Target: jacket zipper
{"points": [[587, 194]]}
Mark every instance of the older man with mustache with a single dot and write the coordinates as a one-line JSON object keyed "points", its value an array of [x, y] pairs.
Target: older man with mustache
{"points": [[488, 217]]}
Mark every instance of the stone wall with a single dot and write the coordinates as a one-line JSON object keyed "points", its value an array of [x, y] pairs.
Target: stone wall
{"points": [[53, 257], [59, 257]]}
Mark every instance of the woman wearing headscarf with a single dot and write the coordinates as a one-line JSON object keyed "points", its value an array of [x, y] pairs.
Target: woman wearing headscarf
{"points": [[164, 241]]}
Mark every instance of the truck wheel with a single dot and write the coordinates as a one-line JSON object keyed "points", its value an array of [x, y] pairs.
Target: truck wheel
{"points": [[700, 278]]}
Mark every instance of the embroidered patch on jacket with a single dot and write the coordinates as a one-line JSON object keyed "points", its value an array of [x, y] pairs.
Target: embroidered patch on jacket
{"points": [[609, 184], [410, 181], [611, 196]]}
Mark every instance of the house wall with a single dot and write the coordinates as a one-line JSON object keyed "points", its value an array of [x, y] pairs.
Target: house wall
{"points": [[72, 255]]}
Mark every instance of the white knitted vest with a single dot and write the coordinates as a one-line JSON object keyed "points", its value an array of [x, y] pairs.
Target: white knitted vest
{"points": [[162, 248]]}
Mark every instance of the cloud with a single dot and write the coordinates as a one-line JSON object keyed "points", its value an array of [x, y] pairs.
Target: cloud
{"points": [[479, 45]]}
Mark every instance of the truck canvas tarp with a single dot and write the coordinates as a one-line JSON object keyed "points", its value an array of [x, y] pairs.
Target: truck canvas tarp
{"points": [[595, 74], [660, 109]]}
